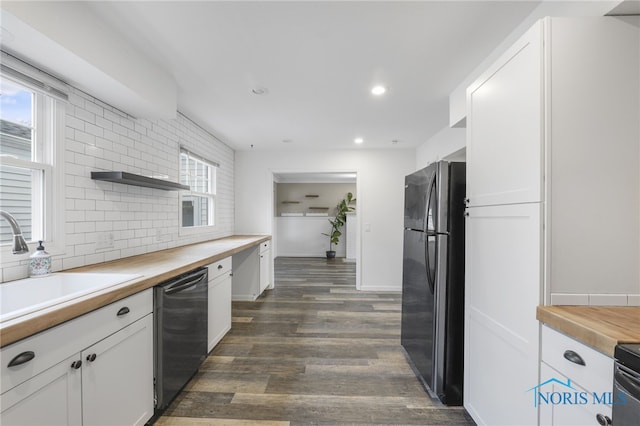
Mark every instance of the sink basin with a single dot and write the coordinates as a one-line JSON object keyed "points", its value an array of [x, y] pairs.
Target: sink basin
{"points": [[29, 295]]}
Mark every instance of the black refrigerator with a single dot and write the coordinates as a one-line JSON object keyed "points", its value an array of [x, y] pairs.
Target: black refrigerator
{"points": [[433, 277]]}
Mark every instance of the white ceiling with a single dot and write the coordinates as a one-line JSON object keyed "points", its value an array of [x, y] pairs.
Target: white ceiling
{"points": [[318, 61]]}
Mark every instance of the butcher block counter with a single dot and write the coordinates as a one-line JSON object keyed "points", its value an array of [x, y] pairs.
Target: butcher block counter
{"points": [[600, 327], [153, 269]]}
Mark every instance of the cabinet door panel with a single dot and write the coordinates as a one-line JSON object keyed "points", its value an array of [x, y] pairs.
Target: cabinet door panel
{"points": [[118, 384], [583, 413], [265, 270], [503, 279], [504, 128], [53, 397], [219, 310]]}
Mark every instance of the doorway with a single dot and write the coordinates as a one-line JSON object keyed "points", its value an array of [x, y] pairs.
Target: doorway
{"points": [[302, 204]]}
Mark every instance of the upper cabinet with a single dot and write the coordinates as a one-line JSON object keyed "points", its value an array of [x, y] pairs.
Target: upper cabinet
{"points": [[504, 127], [555, 120]]}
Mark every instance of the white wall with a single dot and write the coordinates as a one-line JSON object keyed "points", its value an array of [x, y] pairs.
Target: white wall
{"points": [[444, 143], [303, 237], [90, 56], [380, 198], [139, 220], [328, 197], [458, 98]]}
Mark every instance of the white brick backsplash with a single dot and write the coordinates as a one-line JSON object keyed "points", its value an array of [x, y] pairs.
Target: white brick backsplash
{"points": [[73, 262], [84, 115], [74, 123], [94, 108], [633, 299], [100, 137], [595, 299], [15, 272], [94, 130], [608, 299]]}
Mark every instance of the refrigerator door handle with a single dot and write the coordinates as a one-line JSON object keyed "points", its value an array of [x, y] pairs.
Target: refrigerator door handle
{"points": [[430, 232], [427, 262], [429, 213]]}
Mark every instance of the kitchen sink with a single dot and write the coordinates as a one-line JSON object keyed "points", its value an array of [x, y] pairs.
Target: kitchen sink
{"points": [[22, 297]]}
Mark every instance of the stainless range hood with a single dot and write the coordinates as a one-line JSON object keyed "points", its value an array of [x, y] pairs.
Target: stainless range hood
{"points": [[138, 180]]}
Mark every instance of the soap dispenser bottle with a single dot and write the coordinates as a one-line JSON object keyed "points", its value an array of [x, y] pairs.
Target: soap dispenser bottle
{"points": [[39, 262]]}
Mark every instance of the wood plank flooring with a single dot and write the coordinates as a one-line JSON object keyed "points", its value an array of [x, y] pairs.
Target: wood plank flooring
{"points": [[312, 351]]}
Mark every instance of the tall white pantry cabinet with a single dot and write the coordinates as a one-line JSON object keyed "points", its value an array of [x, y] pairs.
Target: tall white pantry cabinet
{"points": [[553, 195]]}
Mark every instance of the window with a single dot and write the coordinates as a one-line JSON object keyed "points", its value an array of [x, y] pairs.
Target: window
{"points": [[198, 204], [30, 123]]}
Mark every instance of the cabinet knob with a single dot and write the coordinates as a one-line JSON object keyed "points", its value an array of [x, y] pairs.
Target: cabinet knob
{"points": [[603, 420], [572, 356], [466, 201], [22, 358], [219, 266], [91, 357], [76, 364], [466, 214], [123, 311]]}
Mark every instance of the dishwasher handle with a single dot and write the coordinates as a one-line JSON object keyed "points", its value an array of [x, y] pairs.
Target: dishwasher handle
{"points": [[186, 282], [629, 381]]}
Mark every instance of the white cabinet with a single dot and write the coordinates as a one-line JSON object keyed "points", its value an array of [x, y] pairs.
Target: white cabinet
{"points": [[504, 136], [502, 292], [252, 272], [553, 192], [266, 275], [575, 383], [52, 397], [64, 384], [219, 308], [116, 377]]}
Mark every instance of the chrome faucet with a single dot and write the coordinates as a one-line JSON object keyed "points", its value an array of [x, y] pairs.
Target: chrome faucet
{"points": [[19, 244]]}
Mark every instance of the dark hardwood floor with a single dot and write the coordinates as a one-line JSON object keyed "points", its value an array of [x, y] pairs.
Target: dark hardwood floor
{"points": [[312, 351]]}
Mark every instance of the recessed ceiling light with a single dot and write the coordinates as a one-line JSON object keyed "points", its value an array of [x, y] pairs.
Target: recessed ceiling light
{"points": [[259, 91], [378, 90], [358, 140]]}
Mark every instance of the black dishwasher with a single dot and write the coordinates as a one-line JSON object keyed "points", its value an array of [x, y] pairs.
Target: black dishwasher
{"points": [[626, 386], [180, 308]]}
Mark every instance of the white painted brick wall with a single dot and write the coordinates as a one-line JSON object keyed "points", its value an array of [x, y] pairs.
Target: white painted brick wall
{"points": [[138, 220]]}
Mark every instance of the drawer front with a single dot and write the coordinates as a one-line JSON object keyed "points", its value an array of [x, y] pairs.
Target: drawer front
{"points": [[219, 268], [52, 346], [584, 413], [597, 373], [265, 245]]}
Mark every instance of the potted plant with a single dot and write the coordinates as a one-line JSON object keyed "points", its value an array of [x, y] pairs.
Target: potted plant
{"points": [[338, 222]]}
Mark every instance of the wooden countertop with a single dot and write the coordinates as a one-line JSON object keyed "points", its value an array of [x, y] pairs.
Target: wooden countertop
{"points": [[154, 268], [601, 327]]}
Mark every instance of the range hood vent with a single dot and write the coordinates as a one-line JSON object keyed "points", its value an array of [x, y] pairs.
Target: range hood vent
{"points": [[137, 180]]}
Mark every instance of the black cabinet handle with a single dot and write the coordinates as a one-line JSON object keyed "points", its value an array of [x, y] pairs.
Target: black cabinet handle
{"points": [[91, 357], [123, 311], [603, 420], [76, 364], [572, 356], [22, 358], [219, 266]]}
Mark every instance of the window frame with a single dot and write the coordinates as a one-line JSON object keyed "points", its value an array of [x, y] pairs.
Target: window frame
{"points": [[48, 193], [211, 196]]}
